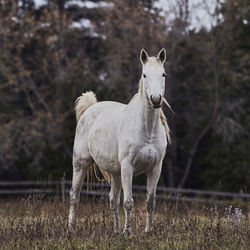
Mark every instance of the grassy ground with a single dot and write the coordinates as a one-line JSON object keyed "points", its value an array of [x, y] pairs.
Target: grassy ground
{"points": [[37, 222]]}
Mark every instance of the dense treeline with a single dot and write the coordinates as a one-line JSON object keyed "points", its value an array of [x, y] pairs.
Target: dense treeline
{"points": [[50, 54]]}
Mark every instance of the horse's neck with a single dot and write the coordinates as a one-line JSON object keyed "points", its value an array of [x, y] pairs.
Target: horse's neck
{"points": [[149, 118]]}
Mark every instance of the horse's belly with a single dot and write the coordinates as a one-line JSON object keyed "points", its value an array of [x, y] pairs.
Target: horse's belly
{"points": [[145, 159], [103, 149]]}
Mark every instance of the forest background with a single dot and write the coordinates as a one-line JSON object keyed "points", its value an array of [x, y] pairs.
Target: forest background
{"points": [[51, 53]]}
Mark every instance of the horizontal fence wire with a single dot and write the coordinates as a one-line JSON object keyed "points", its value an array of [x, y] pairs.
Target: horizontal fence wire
{"points": [[101, 188]]}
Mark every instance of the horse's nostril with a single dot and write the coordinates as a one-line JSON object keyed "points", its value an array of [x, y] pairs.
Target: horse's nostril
{"points": [[155, 99]]}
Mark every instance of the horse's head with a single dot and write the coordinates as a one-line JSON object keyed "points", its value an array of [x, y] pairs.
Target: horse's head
{"points": [[153, 76]]}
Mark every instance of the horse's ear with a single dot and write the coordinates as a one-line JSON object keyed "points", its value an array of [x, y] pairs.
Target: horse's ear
{"points": [[162, 55], [143, 56]]}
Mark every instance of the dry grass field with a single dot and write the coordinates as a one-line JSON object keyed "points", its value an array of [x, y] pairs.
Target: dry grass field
{"points": [[38, 222]]}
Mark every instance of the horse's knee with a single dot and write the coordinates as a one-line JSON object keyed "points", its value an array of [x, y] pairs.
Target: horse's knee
{"points": [[74, 198], [80, 163], [113, 204], [151, 203], [77, 165], [128, 204]]}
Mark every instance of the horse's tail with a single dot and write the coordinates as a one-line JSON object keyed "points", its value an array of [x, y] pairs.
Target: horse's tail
{"points": [[92, 173], [83, 102]]}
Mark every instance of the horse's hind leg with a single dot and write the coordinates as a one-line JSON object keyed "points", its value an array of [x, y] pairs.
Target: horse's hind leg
{"points": [[80, 167], [114, 196]]}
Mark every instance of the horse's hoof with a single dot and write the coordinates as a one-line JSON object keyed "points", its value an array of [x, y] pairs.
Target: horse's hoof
{"points": [[69, 232], [71, 228], [117, 232], [148, 230], [127, 231]]}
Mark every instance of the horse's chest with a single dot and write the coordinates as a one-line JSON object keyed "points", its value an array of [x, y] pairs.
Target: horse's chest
{"points": [[145, 158]]}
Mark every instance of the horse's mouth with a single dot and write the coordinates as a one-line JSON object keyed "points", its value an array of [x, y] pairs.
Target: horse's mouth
{"points": [[156, 106]]}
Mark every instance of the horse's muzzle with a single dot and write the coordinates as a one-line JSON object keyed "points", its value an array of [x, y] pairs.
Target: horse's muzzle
{"points": [[156, 101]]}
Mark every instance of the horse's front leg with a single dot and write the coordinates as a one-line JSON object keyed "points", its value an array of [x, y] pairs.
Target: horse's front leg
{"points": [[114, 196], [128, 203], [152, 180]]}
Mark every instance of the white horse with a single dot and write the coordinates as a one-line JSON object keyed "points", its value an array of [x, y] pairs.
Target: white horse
{"points": [[123, 140]]}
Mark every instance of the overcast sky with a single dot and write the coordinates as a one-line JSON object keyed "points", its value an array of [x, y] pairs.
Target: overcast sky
{"points": [[200, 11], [198, 16]]}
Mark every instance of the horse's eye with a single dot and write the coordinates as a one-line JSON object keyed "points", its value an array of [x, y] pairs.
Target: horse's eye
{"points": [[144, 75], [163, 74]]}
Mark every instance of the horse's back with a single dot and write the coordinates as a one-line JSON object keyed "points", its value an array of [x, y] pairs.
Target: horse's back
{"points": [[99, 113]]}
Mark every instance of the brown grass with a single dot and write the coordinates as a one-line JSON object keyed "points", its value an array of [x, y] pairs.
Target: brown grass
{"points": [[38, 222]]}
